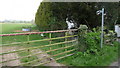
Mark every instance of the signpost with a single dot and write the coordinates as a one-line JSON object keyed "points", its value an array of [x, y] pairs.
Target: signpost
{"points": [[102, 28]]}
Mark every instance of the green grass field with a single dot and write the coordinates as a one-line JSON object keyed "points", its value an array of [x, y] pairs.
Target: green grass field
{"points": [[11, 27]]}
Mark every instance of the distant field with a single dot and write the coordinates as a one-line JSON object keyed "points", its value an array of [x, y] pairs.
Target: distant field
{"points": [[10, 27]]}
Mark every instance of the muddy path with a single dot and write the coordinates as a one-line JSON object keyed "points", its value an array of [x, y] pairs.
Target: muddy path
{"points": [[17, 62], [9, 56], [43, 55]]}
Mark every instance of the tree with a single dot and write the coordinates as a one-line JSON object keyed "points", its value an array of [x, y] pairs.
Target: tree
{"points": [[118, 19], [111, 9], [52, 15], [43, 16]]}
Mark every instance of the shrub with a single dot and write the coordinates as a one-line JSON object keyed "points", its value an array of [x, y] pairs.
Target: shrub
{"points": [[89, 42], [93, 42]]}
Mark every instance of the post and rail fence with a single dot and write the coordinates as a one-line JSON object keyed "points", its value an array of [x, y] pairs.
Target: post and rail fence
{"points": [[27, 51]]}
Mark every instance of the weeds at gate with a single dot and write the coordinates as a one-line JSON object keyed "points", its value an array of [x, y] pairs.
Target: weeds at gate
{"points": [[93, 55]]}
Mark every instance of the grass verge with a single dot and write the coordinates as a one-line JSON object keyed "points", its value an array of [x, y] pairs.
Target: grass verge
{"points": [[105, 57]]}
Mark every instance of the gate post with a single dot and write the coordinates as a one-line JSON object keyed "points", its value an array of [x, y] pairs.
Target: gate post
{"points": [[82, 30]]}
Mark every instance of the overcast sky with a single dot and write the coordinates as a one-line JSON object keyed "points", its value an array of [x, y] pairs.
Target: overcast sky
{"points": [[18, 9]]}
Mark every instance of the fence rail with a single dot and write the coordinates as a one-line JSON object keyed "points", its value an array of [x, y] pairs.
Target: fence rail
{"points": [[29, 33], [65, 48], [38, 40]]}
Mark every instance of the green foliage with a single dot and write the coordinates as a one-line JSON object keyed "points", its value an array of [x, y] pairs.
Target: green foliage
{"points": [[104, 57], [55, 25], [45, 18], [91, 53], [111, 16], [93, 42], [118, 21], [53, 14], [43, 15], [90, 42], [92, 39]]}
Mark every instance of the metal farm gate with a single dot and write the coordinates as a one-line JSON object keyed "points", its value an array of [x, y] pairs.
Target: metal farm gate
{"points": [[32, 49]]}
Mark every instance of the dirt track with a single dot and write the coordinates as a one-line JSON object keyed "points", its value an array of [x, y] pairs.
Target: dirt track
{"points": [[17, 62], [9, 56], [40, 56]]}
